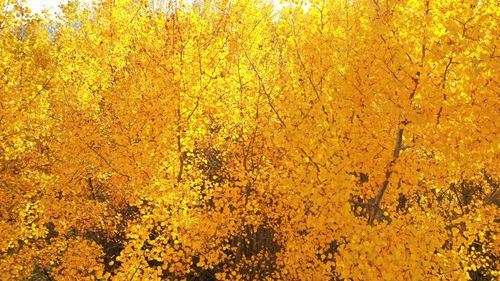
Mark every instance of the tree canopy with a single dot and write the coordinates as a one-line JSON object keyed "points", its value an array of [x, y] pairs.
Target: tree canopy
{"points": [[230, 140]]}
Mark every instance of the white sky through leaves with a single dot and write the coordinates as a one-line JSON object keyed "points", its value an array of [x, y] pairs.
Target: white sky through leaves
{"points": [[52, 5], [38, 5]]}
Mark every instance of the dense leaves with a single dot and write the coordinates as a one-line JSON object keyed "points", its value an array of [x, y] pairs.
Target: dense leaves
{"points": [[232, 140]]}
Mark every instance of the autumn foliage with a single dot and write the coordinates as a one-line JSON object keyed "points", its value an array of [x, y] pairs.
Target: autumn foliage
{"points": [[233, 140]]}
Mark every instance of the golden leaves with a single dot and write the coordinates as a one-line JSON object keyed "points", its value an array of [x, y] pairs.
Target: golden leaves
{"points": [[230, 140]]}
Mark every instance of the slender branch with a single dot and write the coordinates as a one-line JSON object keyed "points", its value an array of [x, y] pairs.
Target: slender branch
{"points": [[179, 144], [453, 188], [194, 109], [416, 81], [312, 161], [132, 277], [388, 172], [262, 84], [309, 77], [446, 72], [105, 160], [399, 141], [493, 197]]}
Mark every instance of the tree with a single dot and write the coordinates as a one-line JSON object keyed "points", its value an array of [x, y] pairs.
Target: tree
{"points": [[230, 140]]}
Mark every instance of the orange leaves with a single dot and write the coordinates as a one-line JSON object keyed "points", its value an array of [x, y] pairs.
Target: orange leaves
{"points": [[79, 259], [230, 140]]}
